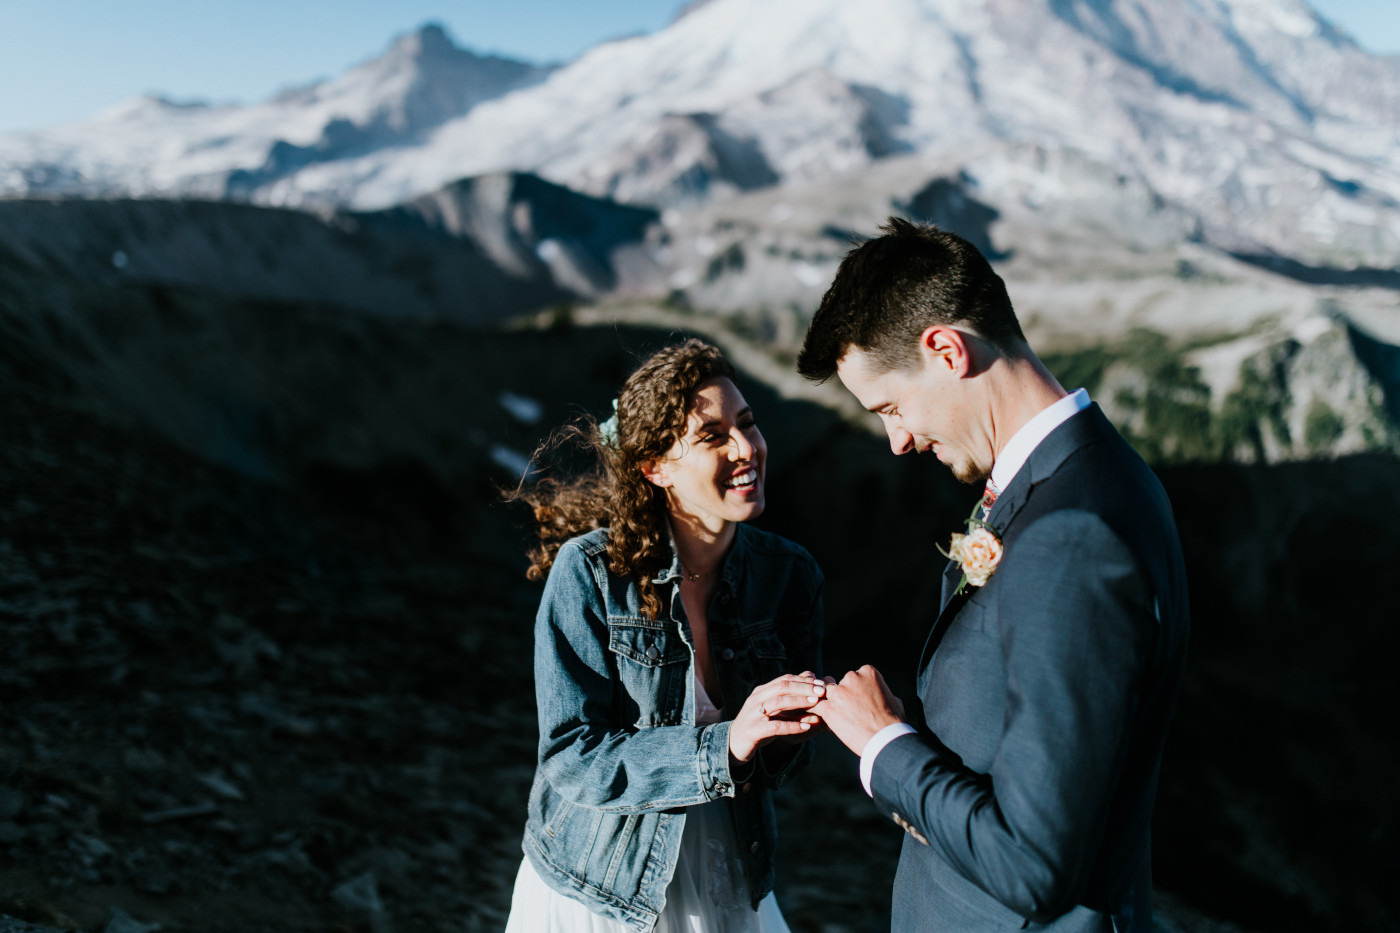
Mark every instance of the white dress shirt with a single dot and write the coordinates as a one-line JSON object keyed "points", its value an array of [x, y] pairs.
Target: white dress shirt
{"points": [[1013, 456]]}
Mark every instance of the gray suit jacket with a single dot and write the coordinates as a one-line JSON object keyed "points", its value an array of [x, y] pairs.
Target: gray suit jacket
{"points": [[1046, 696]]}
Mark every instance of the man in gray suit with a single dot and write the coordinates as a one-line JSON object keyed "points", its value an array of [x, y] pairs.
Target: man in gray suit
{"points": [[1047, 683]]}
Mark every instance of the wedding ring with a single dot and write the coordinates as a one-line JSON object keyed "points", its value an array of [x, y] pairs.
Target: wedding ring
{"points": [[763, 708]]}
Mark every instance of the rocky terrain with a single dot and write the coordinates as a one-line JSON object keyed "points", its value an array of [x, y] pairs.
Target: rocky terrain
{"points": [[267, 632], [478, 251]]}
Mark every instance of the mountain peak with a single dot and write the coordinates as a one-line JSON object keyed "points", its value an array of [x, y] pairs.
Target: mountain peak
{"points": [[430, 39], [423, 80], [689, 8]]}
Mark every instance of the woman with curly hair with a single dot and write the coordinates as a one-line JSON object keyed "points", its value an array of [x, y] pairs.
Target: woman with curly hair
{"points": [[676, 662]]}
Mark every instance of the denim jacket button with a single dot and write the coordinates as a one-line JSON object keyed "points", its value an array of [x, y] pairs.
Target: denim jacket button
{"points": [[652, 652], [727, 654]]}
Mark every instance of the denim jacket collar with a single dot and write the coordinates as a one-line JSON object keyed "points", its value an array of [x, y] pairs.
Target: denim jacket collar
{"points": [[732, 562]]}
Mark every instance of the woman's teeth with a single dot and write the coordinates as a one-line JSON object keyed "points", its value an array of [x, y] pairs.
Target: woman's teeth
{"points": [[746, 478]]}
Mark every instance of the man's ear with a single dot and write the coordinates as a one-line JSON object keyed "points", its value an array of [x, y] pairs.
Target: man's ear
{"points": [[655, 472], [947, 349]]}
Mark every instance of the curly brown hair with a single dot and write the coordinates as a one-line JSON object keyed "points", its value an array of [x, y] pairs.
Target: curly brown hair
{"points": [[652, 409]]}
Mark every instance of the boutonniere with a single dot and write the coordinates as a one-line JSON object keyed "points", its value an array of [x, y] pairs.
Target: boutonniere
{"points": [[978, 551]]}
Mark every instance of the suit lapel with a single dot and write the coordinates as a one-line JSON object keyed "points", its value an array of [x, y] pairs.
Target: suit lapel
{"points": [[1079, 430], [952, 573], [951, 605]]}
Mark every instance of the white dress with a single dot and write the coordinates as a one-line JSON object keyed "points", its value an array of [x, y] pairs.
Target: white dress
{"points": [[707, 894]]}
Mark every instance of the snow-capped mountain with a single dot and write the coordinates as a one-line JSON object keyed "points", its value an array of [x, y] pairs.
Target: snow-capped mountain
{"points": [[1257, 123], [153, 147]]}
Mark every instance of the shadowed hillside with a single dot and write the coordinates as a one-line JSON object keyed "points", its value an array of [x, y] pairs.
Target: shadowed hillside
{"points": [[268, 650]]}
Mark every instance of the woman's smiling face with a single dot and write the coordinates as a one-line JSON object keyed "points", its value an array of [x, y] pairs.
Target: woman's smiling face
{"points": [[714, 473]]}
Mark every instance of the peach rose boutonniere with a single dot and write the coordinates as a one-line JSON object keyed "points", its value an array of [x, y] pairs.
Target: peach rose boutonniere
{"points": [[978, 552]]}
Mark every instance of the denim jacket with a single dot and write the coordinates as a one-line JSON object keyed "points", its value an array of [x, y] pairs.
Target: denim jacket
{"points": [[620, 754]]}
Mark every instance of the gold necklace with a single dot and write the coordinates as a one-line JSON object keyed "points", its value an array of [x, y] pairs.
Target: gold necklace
{"points": [[691, 576]]}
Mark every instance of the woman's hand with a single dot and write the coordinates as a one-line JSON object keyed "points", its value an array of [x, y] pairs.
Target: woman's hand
{"points": [[776, 709]]}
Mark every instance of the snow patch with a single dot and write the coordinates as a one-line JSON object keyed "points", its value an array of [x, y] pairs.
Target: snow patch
{"points": [[523, 408], [510, 460]]}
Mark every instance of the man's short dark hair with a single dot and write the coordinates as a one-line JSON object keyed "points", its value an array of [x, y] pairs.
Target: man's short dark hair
{"points": [[888, 290]]}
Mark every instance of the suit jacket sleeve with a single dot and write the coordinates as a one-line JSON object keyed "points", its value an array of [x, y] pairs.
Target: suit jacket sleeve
{"points": [[1075, 617]]}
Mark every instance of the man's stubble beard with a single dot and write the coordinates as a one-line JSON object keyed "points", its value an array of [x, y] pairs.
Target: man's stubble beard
{"points": [[969, 473]]}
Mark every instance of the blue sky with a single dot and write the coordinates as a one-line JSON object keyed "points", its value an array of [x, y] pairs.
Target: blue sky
{"points": [[63, 60]]}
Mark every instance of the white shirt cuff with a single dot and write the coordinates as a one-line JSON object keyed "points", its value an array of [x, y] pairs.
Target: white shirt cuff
{"points": [[877, 743]]}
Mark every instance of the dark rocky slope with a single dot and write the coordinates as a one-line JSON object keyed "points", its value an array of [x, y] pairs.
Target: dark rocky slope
{"points": [[267, 636], [477, 251]]}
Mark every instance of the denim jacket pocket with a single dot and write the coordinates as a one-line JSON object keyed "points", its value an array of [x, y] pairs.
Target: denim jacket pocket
{"points": [[645, 642], [795, 631], [564, 820], [651, 664], [761, 658]]}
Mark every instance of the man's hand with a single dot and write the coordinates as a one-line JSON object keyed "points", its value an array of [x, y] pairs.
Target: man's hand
{"points": [[859, 706]]}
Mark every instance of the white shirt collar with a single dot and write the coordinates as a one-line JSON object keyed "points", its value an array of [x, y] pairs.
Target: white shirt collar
{"points": [[1024, 442]]}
